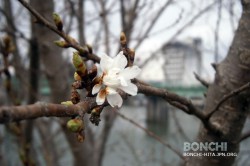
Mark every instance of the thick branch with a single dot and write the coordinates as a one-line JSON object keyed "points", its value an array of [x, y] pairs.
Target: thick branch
{"points": [[172, 98], [179, 102], [42, 109]]}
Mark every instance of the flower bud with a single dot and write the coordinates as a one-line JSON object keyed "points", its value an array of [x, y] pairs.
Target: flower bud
{"points": [[58, 21], [132, 55], [80, 137], [75, 96], [6, 40], [132, 52], [92, 72], [22, 156], [67, 103], [95, 115], [79, 65], [61, 43], [8, 44], [123, 39], [96, 111], [75, 125], [77, 77]]}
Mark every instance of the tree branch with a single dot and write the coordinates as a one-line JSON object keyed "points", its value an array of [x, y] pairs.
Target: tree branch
{"points": [[105, 23], [152, 134], [179, 31], [42, 109], [244, 136], [153, 23], [201, 80], [83, 51], [172, 98], [179, 102], [228, 96]]}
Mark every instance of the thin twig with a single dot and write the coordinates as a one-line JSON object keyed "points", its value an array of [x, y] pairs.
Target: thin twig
{"points": [[105, 24], [153, 23], [152, 134], [178, 32], [216, 33], [201, 80], [244, 136], [179, 127], [165, 94], [83, 51], [228, 96], [81, 21], [172, 98]]}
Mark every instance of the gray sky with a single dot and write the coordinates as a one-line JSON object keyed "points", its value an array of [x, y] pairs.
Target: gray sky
{"points": [[182, 10]]}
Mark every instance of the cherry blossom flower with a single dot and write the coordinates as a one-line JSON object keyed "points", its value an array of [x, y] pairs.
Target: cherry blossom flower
{"points": [[111, 76]]}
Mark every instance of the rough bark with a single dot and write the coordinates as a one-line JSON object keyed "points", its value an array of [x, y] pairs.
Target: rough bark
{"points": [[231, 73]]}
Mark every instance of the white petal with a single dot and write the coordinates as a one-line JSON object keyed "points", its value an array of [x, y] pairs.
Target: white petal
{"points": [[99, 70], [111, 81], [120, 61], [123, 81], [100, 98], [130, 72], [106, 62], [96, 88], [115, 100], [130, 89], [111, 91]]}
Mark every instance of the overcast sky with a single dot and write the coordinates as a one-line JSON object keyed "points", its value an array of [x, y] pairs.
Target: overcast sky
{"points": [[182, 10], [203, 28]]}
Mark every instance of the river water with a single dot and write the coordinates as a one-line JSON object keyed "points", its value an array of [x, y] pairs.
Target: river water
{"points": [[130, 146]]}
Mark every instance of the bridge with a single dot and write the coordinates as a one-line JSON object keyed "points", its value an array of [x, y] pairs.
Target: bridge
{"points": [[157, 109], [189, 91]]}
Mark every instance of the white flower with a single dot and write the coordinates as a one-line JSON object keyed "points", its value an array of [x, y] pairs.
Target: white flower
{"points": [[111, 76]]}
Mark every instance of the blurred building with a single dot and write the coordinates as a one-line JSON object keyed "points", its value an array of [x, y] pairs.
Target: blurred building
{"points": [[181, 59]]}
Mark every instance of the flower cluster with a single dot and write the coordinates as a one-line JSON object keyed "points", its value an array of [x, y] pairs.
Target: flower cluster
{"points": [[112, 74]]}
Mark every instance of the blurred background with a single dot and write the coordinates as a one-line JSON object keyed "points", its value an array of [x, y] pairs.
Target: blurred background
{"points": [[172, 40]]}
